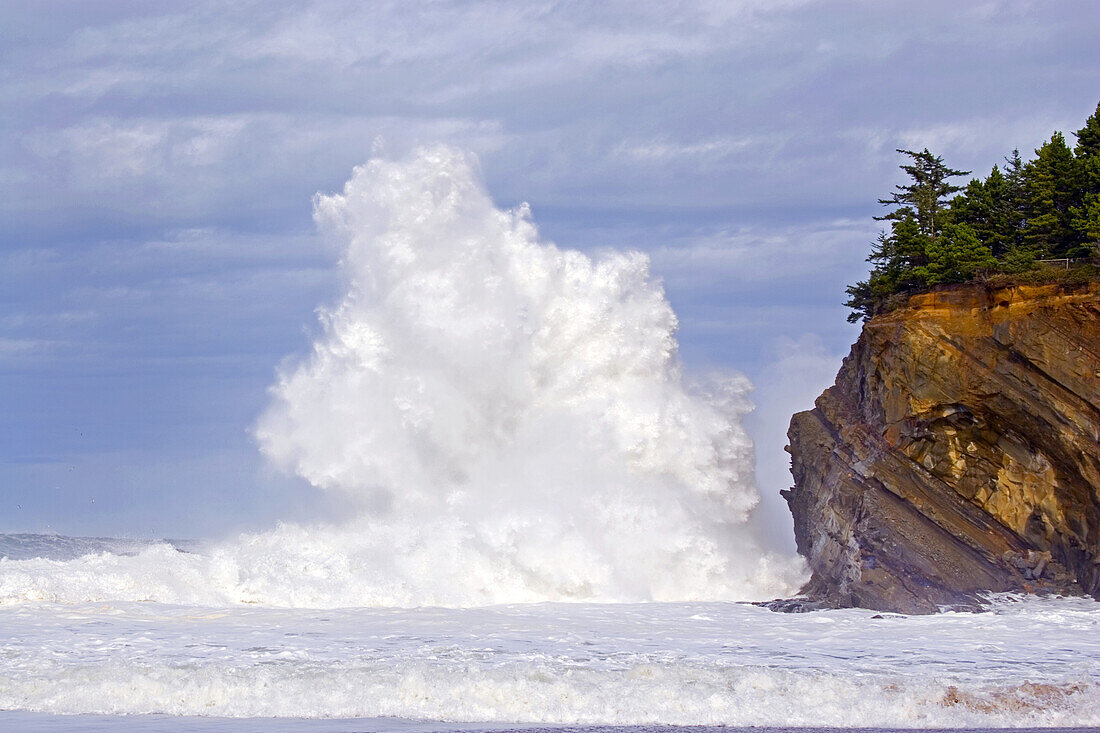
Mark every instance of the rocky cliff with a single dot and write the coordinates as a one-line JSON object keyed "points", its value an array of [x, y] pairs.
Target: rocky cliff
{"points": [[958, 452]]}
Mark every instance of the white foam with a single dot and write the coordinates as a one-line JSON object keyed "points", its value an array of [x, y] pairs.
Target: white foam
{"points": [[509, 420], [1033, 663]]}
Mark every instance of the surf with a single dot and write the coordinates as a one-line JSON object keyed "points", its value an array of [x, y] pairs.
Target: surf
{"points": [[508, 421]]}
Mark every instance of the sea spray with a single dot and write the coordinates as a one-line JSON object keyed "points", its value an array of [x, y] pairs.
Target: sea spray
{"points": [[508, 419]]}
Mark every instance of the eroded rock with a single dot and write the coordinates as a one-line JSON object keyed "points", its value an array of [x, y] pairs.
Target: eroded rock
{"points": [[958, 452]]}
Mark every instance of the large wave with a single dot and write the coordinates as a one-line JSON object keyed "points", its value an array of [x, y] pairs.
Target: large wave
{"points": [[507, 419]]}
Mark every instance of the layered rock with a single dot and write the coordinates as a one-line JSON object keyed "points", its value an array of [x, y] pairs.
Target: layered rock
{"points": [[958, 452]]}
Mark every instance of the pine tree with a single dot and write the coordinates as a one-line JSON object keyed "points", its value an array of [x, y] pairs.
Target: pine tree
{"points": [[1088, 137], [1018, 255], [1052, 190], [956, 256], [1085, 218], [900, 257], [924, 197], [972, 206], [1086, 221], [988, 207], [1015, 199]]}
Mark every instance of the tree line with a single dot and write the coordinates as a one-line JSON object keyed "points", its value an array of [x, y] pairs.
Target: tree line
{"points": [[1044, 208]]}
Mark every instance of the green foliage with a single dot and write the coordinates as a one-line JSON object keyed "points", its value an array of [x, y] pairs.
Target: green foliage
{"points": [[1086, 216], [1046, 275], [1052, 189], [1019, 258], [991, 209], [1086, 219], [1015, 216], [901, 260], [923, 198], [996, 228], [1088, 137], [956, 256]]}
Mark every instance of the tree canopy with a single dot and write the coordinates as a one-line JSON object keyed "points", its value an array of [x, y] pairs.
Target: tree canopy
{"points": [[922, 199], [1044, 208]]}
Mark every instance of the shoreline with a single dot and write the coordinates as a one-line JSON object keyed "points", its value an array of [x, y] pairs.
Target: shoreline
{"points": [[32, 722]]}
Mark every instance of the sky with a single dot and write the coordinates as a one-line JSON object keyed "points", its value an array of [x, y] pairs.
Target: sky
{"points": [[158, 162]]}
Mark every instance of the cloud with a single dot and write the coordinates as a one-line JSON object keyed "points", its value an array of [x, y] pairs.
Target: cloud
{"points": [[200, 113], [660, 151], [969, 139], [759, 257], [240, 170], [12, 350], [104, 152]]}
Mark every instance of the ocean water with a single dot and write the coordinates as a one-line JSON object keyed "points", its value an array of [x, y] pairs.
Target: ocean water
{"points": [[550, 522], [1026, 662]]}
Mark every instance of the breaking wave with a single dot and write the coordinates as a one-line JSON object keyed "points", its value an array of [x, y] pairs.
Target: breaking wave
{"points": [[508, 420]]}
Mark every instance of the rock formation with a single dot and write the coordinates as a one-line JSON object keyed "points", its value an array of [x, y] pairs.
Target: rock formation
{"points": [[958, 452]]}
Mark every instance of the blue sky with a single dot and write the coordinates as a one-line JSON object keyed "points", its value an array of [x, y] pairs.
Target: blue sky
{"points": [[159, 160]]}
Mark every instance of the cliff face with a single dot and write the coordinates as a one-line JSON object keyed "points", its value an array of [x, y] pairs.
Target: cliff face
{"points": [[958, 451]]}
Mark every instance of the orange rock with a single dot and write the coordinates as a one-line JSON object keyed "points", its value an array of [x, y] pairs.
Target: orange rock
{"points": [[963, 430]]}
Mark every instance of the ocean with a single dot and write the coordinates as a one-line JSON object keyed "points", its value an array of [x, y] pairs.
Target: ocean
{"points": [[1028, 661]]}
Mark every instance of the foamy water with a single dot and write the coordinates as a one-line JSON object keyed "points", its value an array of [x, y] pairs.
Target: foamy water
{"points": [[1029, 663]]}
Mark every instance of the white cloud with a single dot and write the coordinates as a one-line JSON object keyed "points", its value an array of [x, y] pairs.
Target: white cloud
{"points": [[767, 255], [663, 150], [986, 136]]}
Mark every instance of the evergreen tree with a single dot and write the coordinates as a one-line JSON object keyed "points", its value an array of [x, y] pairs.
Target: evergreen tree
{"points": [[1086, 221], [865, 296], [1014, 174], [956, 256], [900, 257], [972, 206], [924, 197], [1088, 137], [1052, 190], [1018, 255], [1086, 217], [1002, 214], [988, 208]]}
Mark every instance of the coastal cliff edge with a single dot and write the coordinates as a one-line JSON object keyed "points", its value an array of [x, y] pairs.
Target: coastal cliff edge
{"points": [[958, 452]]}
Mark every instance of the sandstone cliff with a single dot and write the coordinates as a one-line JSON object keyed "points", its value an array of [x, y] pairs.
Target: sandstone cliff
{"points": [[958, 452]]}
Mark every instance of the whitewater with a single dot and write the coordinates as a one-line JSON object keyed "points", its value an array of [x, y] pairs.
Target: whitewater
{"points": [[547, 522]]}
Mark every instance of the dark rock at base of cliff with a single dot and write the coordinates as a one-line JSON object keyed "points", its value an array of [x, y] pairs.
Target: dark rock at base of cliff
{"points": [[958, 453], [796, 605]]}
